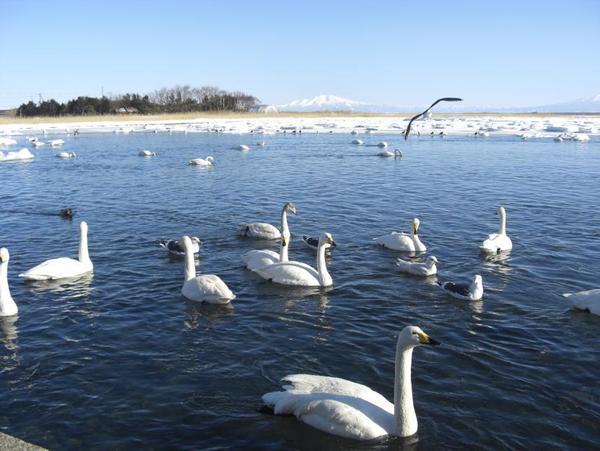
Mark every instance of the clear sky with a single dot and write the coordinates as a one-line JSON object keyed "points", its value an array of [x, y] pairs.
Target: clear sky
{"points": [[491, 53]]}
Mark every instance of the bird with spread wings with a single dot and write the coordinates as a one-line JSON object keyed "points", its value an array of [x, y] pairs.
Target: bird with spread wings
{"points": [[443, 99]]}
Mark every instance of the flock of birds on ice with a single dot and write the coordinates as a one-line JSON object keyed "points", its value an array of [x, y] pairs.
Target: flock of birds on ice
{"points": [[333, 405]]}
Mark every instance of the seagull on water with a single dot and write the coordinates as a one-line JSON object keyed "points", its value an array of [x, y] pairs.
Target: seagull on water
{"points": [[443, 99]]}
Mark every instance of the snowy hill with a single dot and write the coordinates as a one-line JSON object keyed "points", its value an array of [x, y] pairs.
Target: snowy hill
{"points": [[327, 103], [584, 105]]}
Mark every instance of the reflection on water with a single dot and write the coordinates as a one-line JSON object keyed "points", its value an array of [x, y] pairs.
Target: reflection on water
{"points": [[8, 332]]}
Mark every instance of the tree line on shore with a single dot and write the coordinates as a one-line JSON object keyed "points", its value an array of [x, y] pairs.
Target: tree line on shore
{"points": [[179, 99]]}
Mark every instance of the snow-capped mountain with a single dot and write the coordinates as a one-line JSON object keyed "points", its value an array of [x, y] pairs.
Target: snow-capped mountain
{"points": [[583, 105], [326, 102]]}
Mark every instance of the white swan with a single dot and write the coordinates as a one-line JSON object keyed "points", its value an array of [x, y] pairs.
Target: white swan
{"points": [[7, 141], [206, 162], [258, 258], [352, 410], [389, 154], [585, 300], [20, 155], [7, 304], [429, 268], [62, 268], [146, 153], [66, 154], [37, 143], [174, 247], [243, 148], [498, 242], [57, 142], [465, 291], [300, 274], [400, 241], [205, 288]]}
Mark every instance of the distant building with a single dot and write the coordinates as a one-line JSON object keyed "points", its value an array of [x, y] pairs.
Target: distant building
{"points": [[264, 109], [126, 110]]}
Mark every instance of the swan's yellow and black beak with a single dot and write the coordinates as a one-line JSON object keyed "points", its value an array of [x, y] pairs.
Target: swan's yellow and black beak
{"points": [[425, 339], [284, 241]]}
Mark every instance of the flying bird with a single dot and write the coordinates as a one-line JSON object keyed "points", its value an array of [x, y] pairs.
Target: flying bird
{"points": [[443, 99]]}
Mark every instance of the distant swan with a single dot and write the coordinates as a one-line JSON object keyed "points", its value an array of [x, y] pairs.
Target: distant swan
{"points": [[465, 291], [206, 162], [62, 268], [258, 258], [382, 144], [389, 154], [498, 242], [348, 409], [175, 247], [146, 153], [7, 304], [20, 155], [585, 300], [429, 268], [400, 241], [300, 274], [243, 148], [57, 142], [205, 288], [358, 142], [66, 154]]}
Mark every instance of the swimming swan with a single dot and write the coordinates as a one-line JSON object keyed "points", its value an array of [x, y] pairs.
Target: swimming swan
{"points": [[429, 268], [7, 304], [62, 268], [205, 288], [260, 230], [205, 162], [66, 154], [20, 155], [146, 153], [465, 291], [400, 241], [389, 154], [258, 258], [300, 274], [352, 410], [585, 300], [498, 242]]}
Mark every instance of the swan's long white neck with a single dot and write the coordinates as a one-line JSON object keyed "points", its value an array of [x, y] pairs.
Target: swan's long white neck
{"points": [[419, 247], [285, 235], [7, 304], [190, 268], [502, 230], [84, 256], [324, 278], [404, 409]]}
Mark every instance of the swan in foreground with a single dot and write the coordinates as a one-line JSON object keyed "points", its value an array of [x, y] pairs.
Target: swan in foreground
{"points": [[146, 153], [62, 268], [348, 409], [465, 291], [401, 241], [66, 154], [424, 113], [174, 247], [498, 242], [428, 268], [205, 162], [205, 288], [20, 155], [389, 154], [585, 300], [300, 274], [258, 258], [7, 304]]}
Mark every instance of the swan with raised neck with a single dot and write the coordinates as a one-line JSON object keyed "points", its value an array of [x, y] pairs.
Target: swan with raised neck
{"points": [[8, 307]]}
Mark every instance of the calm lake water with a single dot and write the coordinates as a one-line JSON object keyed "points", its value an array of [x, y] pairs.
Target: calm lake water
{"points": [[122, 360]]}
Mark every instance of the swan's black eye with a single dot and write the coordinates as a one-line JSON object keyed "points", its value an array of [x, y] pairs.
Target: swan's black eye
{"points": [[415, 333]]}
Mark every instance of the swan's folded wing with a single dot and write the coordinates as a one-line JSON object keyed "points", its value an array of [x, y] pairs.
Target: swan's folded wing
{"points": [[290, 273], [56, 268]]}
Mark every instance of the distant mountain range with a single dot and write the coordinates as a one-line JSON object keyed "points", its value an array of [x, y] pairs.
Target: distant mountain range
{"points": [[335, 103]]}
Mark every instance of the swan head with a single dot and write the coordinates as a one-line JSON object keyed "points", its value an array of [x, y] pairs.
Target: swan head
{"points": [[4, 255], [290, 208], [431, 260], [412, 336], [477, 280], [83, 227], [501, 212], [210, 159], [416, 224], [195, 240], [327, 240]]}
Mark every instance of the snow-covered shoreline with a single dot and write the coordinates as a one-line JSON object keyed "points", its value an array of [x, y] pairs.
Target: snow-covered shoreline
{"points": [[533, 126]]}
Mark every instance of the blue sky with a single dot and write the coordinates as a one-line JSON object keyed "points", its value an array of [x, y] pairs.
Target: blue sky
{"points": [[491, 53]]}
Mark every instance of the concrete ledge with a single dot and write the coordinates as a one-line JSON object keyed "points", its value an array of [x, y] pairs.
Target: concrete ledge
{"points": [[14, 444]]}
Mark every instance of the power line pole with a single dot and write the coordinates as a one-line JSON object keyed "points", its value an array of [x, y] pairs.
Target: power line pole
{"points": [[40, 97]]}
